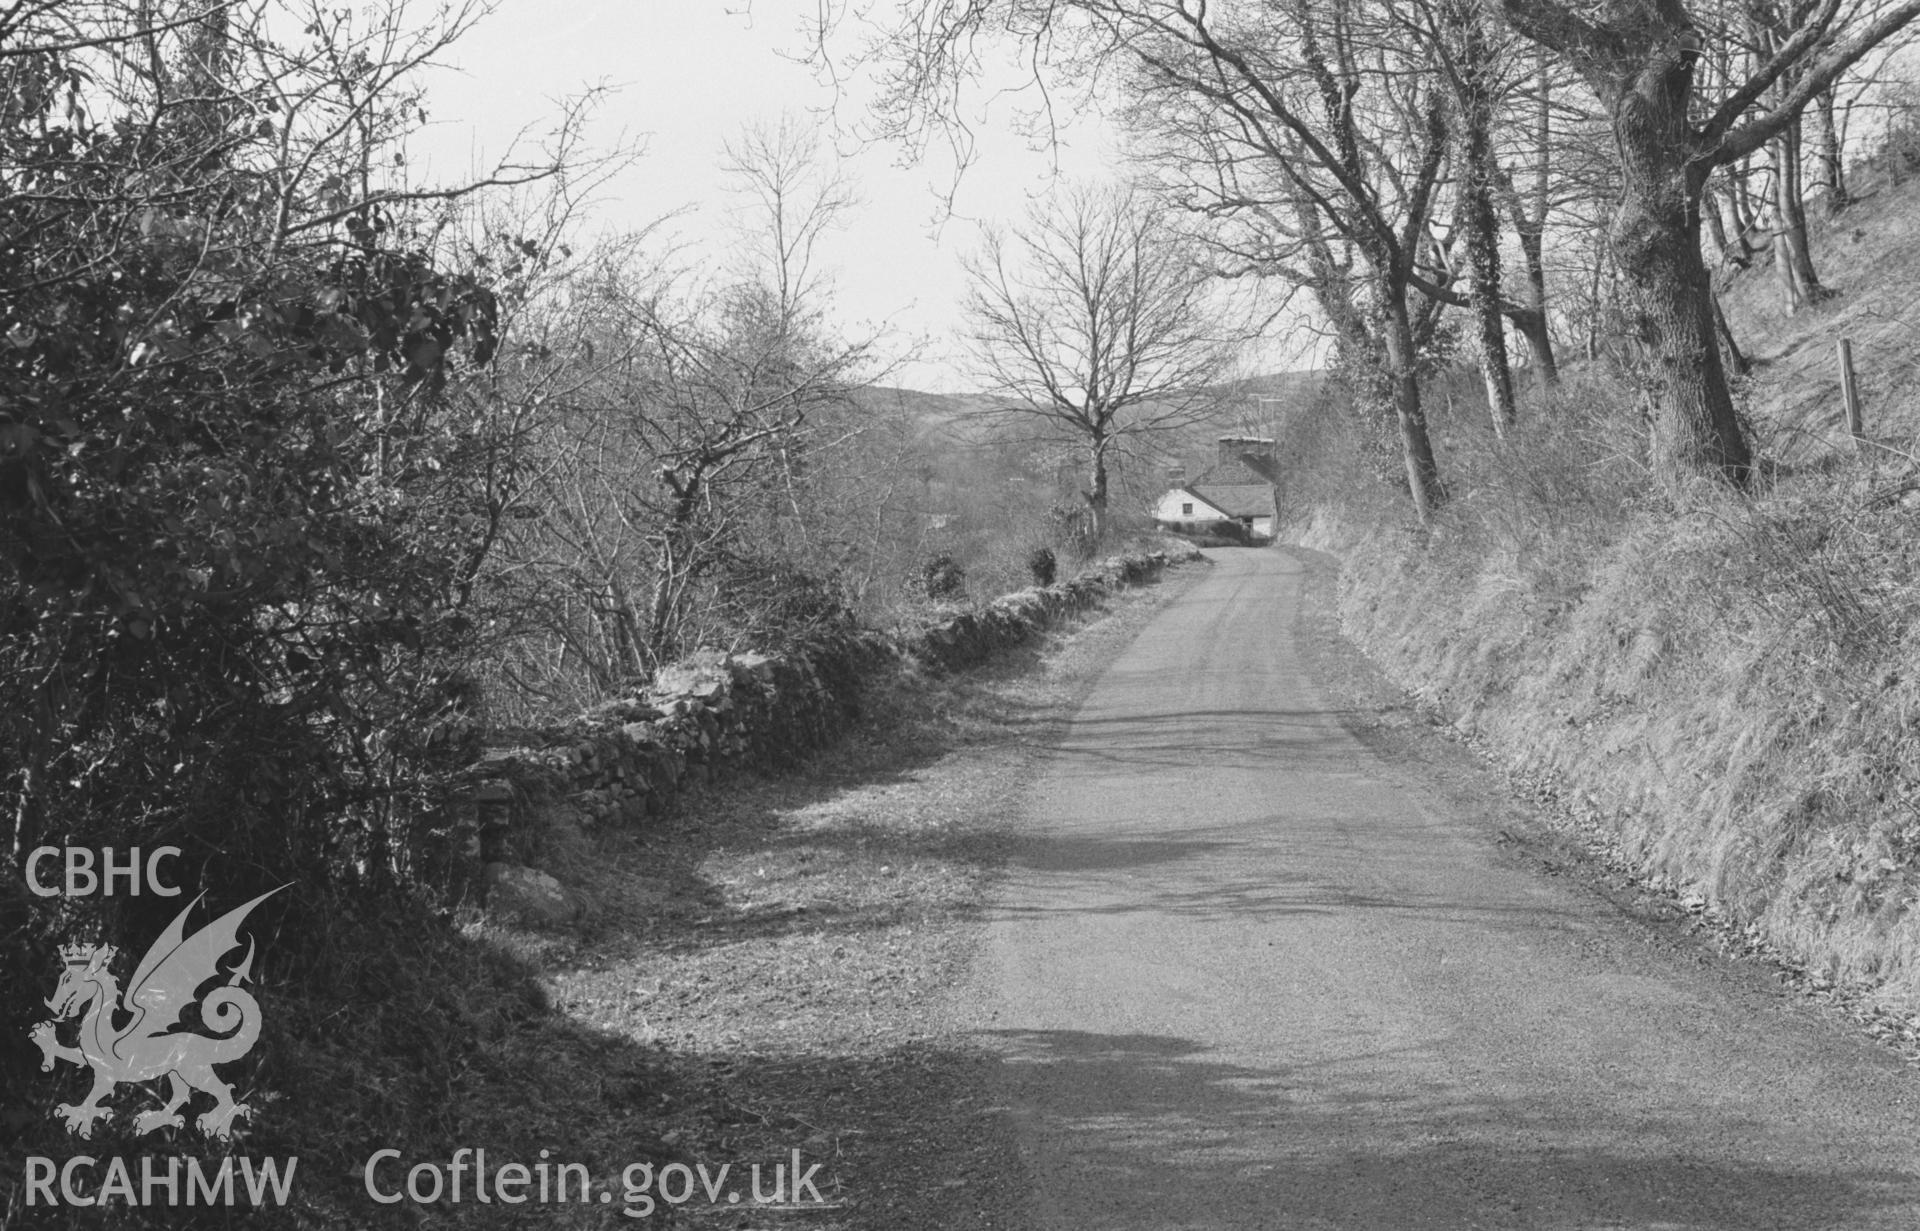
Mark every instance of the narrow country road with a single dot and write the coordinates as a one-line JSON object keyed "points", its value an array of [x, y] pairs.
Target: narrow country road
{"points": [[1244, 974]]}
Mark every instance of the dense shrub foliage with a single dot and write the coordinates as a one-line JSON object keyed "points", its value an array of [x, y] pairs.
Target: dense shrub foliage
{"points": [[247, 487], [250, 472]]}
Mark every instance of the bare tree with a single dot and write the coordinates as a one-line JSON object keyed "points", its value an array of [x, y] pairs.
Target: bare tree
{"points": [[1456, 38], [1322, 146], [1538, 173], [1861, 88], [1095, 321], [789, 197], [686, 408], [1317, 137], [1641, 58]]}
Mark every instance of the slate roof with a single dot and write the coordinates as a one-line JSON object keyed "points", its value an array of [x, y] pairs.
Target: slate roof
{"points": [[1247, 469], [1237, 499], [1240, 487]]}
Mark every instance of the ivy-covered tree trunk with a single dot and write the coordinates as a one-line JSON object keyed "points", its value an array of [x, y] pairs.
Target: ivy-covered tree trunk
{"points": [[1528, 214], [1416, 448], [1483, 272], [1473, 98], [1641, 63], [1656, 245]]}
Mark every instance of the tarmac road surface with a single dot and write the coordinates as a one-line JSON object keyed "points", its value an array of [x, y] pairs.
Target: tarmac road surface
{"points": [[1244, 973]]}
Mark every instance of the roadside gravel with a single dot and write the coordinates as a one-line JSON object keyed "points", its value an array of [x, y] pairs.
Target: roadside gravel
{"points": [[784, 951]]}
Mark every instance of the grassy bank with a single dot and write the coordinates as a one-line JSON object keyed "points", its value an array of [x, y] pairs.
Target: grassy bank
{"points": [[1725, 686]]}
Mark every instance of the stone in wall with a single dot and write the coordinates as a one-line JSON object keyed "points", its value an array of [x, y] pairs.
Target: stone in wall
{"points": [[528, 894]]}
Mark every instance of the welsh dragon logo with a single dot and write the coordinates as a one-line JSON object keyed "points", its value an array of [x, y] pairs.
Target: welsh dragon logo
{"points": [[152, 1043]]}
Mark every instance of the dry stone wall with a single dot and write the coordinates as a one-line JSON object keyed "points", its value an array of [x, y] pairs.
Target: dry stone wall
{"points": [[717, 713]]}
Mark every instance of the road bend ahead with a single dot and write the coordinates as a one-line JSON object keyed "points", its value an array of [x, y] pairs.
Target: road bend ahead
{"points": [[1245, 974]]}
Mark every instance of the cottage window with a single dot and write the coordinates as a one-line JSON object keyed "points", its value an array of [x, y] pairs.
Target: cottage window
{"points": [[1186, 510]]}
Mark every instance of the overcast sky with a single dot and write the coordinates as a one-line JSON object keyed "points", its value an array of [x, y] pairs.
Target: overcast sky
{"points": [[689, 74]]}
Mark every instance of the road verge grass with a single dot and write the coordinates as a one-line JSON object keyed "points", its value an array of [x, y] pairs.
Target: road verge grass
{"points": [[1723, 687]]}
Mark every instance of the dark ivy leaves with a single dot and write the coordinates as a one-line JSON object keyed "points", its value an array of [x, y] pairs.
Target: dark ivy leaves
{"points": [[236, 470]]}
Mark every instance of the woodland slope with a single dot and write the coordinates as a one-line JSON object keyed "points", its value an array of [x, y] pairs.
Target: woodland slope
{"points": [[1720, 686]]}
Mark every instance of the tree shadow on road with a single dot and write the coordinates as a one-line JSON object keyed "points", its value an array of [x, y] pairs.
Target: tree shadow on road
{"points": [[1152, 1132], [1289, 864], [1222, 740]]}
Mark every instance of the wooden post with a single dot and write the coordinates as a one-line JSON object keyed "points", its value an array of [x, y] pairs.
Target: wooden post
{"points": [[1850, 392]]}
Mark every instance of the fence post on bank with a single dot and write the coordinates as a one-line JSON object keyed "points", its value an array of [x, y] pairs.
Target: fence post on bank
{"points": [[1850, 393]]}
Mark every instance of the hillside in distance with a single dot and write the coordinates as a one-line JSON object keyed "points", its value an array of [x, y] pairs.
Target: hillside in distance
{"points": [[926, 413], [1255, 406]]}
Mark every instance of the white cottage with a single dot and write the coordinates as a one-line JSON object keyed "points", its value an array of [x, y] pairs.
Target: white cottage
{"points": [[1239, 487]]}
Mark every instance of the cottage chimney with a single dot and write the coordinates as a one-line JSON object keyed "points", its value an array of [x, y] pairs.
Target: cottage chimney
{"points": [[1177, 475], [1233, 448]]}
